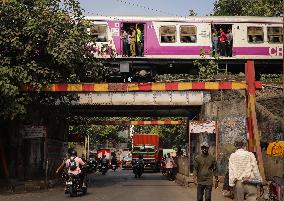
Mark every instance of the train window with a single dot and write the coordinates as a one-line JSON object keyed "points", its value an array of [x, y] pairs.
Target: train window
{"points": [[275, 34], [187, 34], [255, 35], [99, 32], [168, 34]]}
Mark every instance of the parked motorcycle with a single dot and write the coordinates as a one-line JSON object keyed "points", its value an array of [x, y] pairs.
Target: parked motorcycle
{"points": [[74, 185], [276, 189], [137, 169]]}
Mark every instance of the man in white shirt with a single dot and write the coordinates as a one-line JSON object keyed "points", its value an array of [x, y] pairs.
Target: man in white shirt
{"points": [[243, 167]]}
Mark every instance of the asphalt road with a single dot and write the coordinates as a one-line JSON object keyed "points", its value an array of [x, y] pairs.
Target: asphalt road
{"points": [[120, 186]]}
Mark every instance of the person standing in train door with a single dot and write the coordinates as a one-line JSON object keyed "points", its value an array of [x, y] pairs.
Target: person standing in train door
{"points": [[214, 42], [229, 43], [133, 42], [222, 40], [139, 41], [125, 43]]}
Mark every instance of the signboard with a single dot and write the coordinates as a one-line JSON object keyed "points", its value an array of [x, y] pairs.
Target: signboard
{"points": [[202, 126], [33, 131]]}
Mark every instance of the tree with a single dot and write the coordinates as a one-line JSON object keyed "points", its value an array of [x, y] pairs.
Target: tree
{"points": [[267, 8], [192, 12], [42, 41]]}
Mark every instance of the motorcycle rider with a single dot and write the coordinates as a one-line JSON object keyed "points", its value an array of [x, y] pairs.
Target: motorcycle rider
{"points": [[169, 166], [140, 161], [77, 170], [114, 160]]}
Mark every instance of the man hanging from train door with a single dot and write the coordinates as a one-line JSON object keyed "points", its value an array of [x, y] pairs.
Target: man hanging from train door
{"points": [[139, 40], [133, 42]]}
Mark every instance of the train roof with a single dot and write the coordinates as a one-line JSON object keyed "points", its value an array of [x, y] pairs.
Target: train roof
{"points": [[198, 19]]}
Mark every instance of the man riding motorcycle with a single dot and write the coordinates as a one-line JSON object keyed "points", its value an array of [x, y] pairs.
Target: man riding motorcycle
{"points": [[138, 167], [73, 165]]}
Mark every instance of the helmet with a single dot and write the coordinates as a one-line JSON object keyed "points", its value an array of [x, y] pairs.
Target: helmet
{"points": [[73, 153]]}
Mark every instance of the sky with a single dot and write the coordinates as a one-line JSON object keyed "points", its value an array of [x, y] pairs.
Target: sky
{"points": [[146, 7]]}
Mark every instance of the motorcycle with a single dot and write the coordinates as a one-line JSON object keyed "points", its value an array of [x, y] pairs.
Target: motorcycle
{"points": [[137, 169], [91, 166], [104, 168], [276, 189], [113, 167], [74, 185]]}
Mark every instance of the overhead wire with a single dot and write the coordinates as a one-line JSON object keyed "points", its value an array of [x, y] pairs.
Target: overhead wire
{"points": [[144, 7]]}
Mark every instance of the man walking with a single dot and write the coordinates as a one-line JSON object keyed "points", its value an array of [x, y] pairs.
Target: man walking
{"points": [[243, 172], [205, 167]]}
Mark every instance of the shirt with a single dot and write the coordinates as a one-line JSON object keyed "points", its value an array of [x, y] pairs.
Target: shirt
{"points": [[205, 166], [169, 162], [242, 164], [138, 35], [79, 162]]}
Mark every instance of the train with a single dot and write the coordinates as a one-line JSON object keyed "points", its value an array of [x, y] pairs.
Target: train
{"points": [[171, 44]]}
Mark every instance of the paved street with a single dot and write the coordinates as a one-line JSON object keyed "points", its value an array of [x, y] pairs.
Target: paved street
{"points": [[120, 186]]}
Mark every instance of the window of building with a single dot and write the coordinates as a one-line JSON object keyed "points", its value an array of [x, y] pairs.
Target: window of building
{"points": [[275, 34], [188, 34], [168, 34], [255, 34], [99, 32]]}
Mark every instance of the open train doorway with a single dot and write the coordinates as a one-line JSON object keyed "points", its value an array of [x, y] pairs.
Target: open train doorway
{"points": [[133, 39], [222, 39]]}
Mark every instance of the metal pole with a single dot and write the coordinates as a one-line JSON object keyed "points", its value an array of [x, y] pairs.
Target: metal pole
{"points": [[88, 141]]}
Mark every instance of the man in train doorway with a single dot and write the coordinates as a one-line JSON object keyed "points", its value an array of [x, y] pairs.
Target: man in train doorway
{"points": [[222, 42], [205, 166], [133, 41], [229, 43], [139, 41]]}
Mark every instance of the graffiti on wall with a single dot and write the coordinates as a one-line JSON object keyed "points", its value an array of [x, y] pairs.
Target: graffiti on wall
{"points": [[232, 127]]}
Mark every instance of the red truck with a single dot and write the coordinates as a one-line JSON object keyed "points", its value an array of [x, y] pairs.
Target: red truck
{"points": [[148, 146]]}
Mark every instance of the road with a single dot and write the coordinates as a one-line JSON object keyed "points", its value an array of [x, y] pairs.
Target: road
{"points": [[120, 186]]}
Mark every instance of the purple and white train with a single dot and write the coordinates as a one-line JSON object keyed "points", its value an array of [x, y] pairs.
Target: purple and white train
{"points": [[177, 41]]}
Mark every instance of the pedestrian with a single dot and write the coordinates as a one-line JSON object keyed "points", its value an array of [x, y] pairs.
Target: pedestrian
{"points": [[244, 174], [205, 166]]}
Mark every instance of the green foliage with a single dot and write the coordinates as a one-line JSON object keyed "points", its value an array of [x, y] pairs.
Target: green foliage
{"points": [[208, 68], [272, 78], [192, 12], [41, 43], [170, 135], [267, 8]]}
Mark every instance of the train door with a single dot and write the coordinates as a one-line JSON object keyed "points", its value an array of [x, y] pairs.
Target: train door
{"points": [[132, 39], [222, 39]]}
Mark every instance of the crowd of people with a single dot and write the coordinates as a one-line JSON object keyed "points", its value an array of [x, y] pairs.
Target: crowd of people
{"points": [[242, 176], [133, 41], [222, 42]]}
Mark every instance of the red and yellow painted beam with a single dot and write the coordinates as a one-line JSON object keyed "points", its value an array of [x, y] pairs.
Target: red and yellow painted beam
{"points": [[123, 87]]}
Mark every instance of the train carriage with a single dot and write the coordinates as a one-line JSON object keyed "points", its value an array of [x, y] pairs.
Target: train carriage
{"points": [[178, 41]]}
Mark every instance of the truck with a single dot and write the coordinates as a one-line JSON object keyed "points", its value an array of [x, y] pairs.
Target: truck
{"points": [[147, 145]]}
